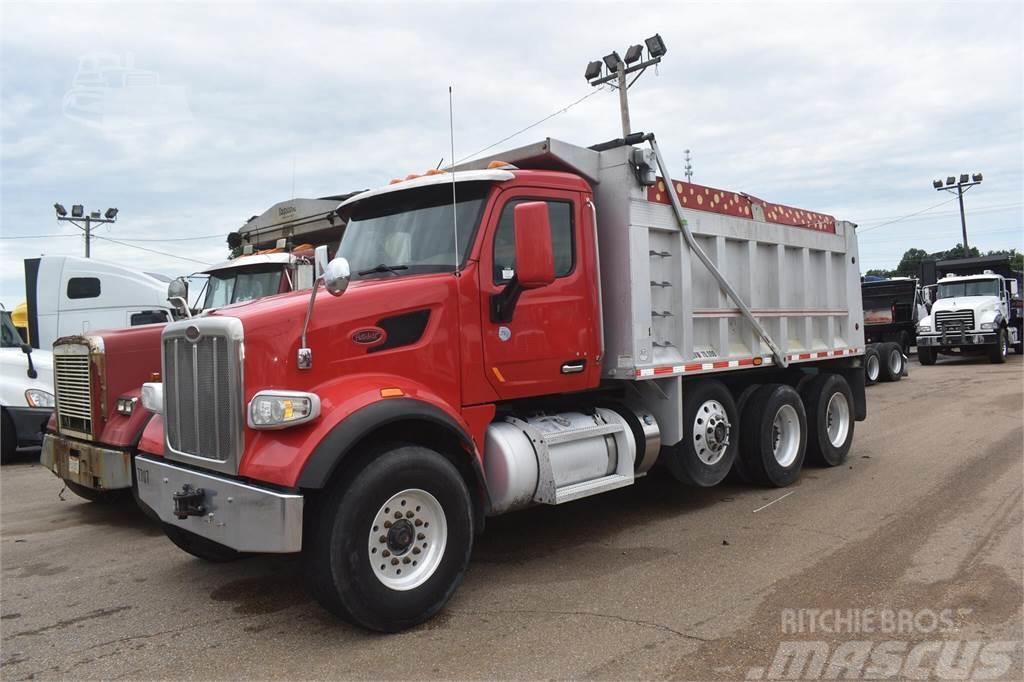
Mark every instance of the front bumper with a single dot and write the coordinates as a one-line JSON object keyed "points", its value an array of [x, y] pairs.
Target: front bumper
{"points": [[86, 464], [956, 339], [243, 517], [29, 423]]}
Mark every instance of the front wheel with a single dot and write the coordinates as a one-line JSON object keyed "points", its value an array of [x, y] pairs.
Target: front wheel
{"points": [[9, 437], [392, 542], [926, 356], [997, 352], [890, 358]]}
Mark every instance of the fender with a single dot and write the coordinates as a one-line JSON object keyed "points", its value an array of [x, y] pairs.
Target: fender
{"points": [[151, 442]]}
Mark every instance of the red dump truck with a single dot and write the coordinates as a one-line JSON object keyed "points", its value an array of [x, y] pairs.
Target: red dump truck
{"points": [[92, 435], [535, 328]]}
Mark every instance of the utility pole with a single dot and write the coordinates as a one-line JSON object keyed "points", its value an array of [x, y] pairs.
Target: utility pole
{"points": [[79, 215], [688, 168], [616, 69], [960, 186]]}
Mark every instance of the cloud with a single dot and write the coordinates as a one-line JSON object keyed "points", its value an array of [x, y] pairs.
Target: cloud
{"points": [[848, 108]]}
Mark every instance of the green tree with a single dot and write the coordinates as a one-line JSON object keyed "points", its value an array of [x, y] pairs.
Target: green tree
{"points": [[910, 262], [879, 272], [958, 252], [1016, 257]]}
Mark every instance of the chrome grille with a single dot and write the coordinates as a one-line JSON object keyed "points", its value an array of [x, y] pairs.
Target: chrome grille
{"points": [[202, 392], [962, 318], [73, 385]]}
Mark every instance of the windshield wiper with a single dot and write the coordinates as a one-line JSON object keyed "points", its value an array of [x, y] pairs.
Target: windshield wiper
{"points": [[383, 268]]}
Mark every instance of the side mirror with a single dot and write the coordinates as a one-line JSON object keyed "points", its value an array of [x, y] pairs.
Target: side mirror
{"points": [[336, 276], [27, 350], [535, 261], [319, 261], [1013, 287], [177, 295]]}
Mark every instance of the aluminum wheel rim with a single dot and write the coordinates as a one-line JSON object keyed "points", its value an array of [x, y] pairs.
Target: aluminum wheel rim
{"points": [[873, 367], [786, 435], [896, 361], [1003, 346], [837, 419], [407, 539], [711, 432]]}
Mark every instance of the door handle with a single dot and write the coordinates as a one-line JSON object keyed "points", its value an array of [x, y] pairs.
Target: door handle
{"points": [[573, 366]]}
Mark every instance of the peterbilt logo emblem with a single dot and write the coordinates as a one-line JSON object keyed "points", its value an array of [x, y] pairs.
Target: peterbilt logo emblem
{"points": [[192, 333], [369, 336]]}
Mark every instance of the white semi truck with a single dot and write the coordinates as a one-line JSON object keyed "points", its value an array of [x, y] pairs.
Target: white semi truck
{"points": [[971, 314]]}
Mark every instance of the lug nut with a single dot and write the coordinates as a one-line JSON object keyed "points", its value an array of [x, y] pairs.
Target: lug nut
{"points": [[394, 562], [406, 560], [420, 536], [387, 524], [383, 538], [415, 550], [418, 522], [386, 553], [398, 515], [409, 515]]}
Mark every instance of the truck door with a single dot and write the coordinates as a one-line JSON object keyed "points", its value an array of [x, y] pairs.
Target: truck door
{"points": [[552, 343]]}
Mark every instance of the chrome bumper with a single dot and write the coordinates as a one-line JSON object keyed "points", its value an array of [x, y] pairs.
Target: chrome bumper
{"points": [[237, 515], [87, 465], [956, 339]]}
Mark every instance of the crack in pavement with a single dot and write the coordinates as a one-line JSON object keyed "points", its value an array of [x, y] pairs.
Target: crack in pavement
{"points": [[592, 614], [98, 613]]}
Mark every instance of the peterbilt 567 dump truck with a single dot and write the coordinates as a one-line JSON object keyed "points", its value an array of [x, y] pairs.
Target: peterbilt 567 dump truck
{"points": [[538, 327], [98, 376]]}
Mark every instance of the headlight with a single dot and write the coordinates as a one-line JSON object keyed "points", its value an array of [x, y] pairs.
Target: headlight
{"points": [[126, 406], [37, 398], [923, 329], [153, 397], [281, 409], [988, 325]]}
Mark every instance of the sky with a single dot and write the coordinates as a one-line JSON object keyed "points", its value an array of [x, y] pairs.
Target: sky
{"points": [[848, 108]]}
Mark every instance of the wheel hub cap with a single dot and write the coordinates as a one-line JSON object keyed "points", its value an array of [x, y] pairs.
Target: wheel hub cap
{"points": [[711, 432], [407, 539]]}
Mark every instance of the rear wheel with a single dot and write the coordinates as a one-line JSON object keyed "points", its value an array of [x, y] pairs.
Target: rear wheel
{"points": [[710, 423], [200, 547], [997, 351], [775, 436], [828, 401], [871, 365], [392, 542], [890, 360], [926, 356]]}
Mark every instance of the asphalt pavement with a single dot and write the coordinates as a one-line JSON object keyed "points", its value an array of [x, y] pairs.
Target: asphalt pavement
{"points": [[914, 546]]}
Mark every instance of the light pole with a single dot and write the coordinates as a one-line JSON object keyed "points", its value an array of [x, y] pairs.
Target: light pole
{"points": [[78, 214], [959, 185], [617, 68]]}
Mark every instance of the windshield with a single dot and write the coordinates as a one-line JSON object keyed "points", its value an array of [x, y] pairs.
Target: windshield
{"points": [[11, 337], [971, 287], [234, 286], [411, 231]]}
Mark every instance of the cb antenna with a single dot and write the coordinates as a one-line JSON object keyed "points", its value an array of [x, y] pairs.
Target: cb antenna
{"points": [[451, 137], [688, 168]]}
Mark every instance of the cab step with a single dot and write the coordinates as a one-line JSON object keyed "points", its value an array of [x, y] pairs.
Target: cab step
{"points": [[591, 487]]}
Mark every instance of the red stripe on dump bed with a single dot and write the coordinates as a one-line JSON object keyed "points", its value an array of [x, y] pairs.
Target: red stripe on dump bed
{"points": [[702, 198], [744, 362]]}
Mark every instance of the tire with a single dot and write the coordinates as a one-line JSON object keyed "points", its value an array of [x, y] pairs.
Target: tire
{"points": [[828, 402], [926, 356], [997, 351], [353, 531], [200, 547], [890, 361], [764, 458], [711, 436], [872, 366], [9, 438]]}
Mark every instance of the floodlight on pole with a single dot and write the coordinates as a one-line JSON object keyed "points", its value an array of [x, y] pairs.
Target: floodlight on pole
{"points": [[966, 181], [617, 68], [78, 216]]}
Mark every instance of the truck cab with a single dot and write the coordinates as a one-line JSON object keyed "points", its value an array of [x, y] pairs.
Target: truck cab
{"points": [[971, 314], [26, 389], [98, 418]]}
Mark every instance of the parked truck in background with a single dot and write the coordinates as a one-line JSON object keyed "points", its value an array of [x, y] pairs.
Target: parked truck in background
{"points": [[94, 431], [540, 326], [892, 309], [26, 390], [68, 295]]}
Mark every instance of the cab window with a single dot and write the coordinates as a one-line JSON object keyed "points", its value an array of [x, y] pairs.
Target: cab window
{"points": [[560, 215]]}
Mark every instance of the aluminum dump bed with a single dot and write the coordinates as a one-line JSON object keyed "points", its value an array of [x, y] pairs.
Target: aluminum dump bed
{"points": [[665, 313]]}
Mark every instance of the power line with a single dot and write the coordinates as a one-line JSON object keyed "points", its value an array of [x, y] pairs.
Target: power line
{"points": [[170, 239], [143, 248], [532, 125], [909, 215], [986, 209]]}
